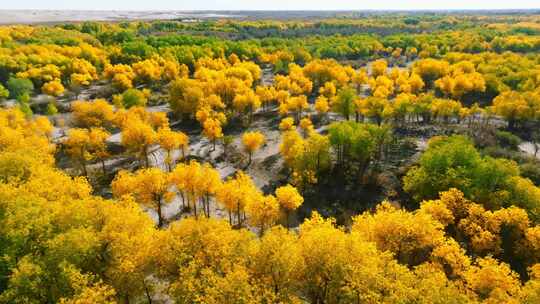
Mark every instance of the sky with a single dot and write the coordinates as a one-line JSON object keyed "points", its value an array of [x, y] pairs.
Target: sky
{"points": [[266, 4]]}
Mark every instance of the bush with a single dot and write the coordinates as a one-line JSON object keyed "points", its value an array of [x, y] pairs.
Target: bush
{"points": [[4, 93], [132, 98], [18, 87], [454, 162], [531, 170], [507, 140]]}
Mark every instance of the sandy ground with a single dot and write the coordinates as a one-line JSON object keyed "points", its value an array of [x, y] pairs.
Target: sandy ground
{"points": [[528, 147], [264, 169]]}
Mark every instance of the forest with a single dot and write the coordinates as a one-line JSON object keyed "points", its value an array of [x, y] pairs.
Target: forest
{"points": [[378, 158]]}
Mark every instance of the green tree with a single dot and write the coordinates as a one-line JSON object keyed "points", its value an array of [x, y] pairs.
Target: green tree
{"points": [[4, 93], [132, 98], [454, 162], [18, 87], [353, 143], [345, 102]]}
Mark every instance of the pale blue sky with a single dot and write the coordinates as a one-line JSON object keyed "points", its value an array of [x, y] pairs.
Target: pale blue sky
{"points": [[265, 4]]}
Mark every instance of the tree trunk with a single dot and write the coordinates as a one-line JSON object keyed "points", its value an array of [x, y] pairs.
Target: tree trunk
{"points": [[103, 167], [83, 166], [147, 292], [249, 159], [238, 215], [195, 208], [160, 216], [169, 161], [146, 160], [183, 200], [208, 205], [83, 162]]}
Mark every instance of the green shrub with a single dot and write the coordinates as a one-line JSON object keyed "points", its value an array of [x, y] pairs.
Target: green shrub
{"points": [[507, 140]]}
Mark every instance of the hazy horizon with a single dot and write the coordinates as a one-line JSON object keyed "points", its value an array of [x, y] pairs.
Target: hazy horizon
{"points": [[276, 10], [275, 5]]}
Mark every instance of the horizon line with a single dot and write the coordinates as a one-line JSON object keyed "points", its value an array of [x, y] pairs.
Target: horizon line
{"points": [[277, 10]]}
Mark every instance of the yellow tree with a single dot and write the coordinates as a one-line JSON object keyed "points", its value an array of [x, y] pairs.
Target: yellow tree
{"points": [[339, 265], [235, 194], [292, 145], [173, 70], [415, 83], [76, 146], [86, 288], [96, 113], [147, 71], [531, 290], [42, 74], [206, 262], [149, 187], [138, 137], [229, 196], [513, 107], [121, 76], [328, 90], [387, 229], [187, 179], [81, 73], [170, 141], [247, 103], [84, 145], [372, 107], [53, 88], [431, 69], [186, 96], [378, 68], [156, 120], [266, 95], [322, 106], [252, 141], [278, 263], [307, 126], [492, 281], [263, 212], [212, 130], [289, 199], [359, 78], [445, 109], [98, 146], [286, 124], [208, 185], [296, 105]]}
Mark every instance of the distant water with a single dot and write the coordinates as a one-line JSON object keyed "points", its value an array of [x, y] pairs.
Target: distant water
{"points": [[54, 16]]}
